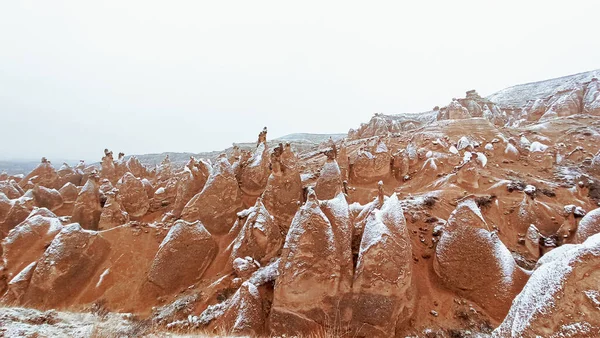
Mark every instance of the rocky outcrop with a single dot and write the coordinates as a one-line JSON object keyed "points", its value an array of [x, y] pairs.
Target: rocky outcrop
{"points": [[28, 240], [69, 192], [18, 210], [329, 183], [218, 202], [67, 174], [472, 260], [113, 213], [191, 181], [259, 237], [371, 165], [44, 174], [283, 193], [254, 172], [132, 195], [562, 296], [66, 266], [183, 256], [307, 289], [383, 291], [87, 208], [47, 198]]}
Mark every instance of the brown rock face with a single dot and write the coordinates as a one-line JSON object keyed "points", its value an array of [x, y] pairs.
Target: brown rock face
{"points": [[473, 261], [457, 111], [254, 172], [183, 256], [67, 174], [562, 297], [66, 266], [28, 240], [87, 208], [591, 99], [18, 212], [10, 189], [108, 167], [259, 237], [218, 202], [44, 175], [283, 192], [132, 195], [383, 291], [136, 168], [69, 192], [244, 314], [329, 183], [47, 198], [191, 182], [370, 167], [307, 289], [113, 213]]}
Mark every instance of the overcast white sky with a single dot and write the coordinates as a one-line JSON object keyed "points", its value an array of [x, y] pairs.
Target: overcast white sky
{"points": [[143, 77]]}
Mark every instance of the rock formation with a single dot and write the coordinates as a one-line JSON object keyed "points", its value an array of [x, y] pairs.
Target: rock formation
{"points": [[132, 195], [87, 208], [383, 291], [183, 256], [218, 202]]}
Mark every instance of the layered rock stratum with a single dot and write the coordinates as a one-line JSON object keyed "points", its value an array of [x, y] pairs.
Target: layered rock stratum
{"points": [[477, 218]]}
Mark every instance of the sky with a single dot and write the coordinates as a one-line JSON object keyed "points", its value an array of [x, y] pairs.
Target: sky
{"points": [[191, 76]]}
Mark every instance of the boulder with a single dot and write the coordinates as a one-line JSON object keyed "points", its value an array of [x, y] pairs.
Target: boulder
{"points": [[28, 240]]}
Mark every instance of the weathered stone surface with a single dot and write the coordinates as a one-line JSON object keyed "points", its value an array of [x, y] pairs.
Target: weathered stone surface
{"points": [[562, 296], [218, 202], [183, 256], [383, 292], [283, 193], [87, 208], [309, 273], [66, 266], [329, 183], [113, 213], [47, 198], [473, 261], [132, 195], [44, 174], [259, 237]]}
